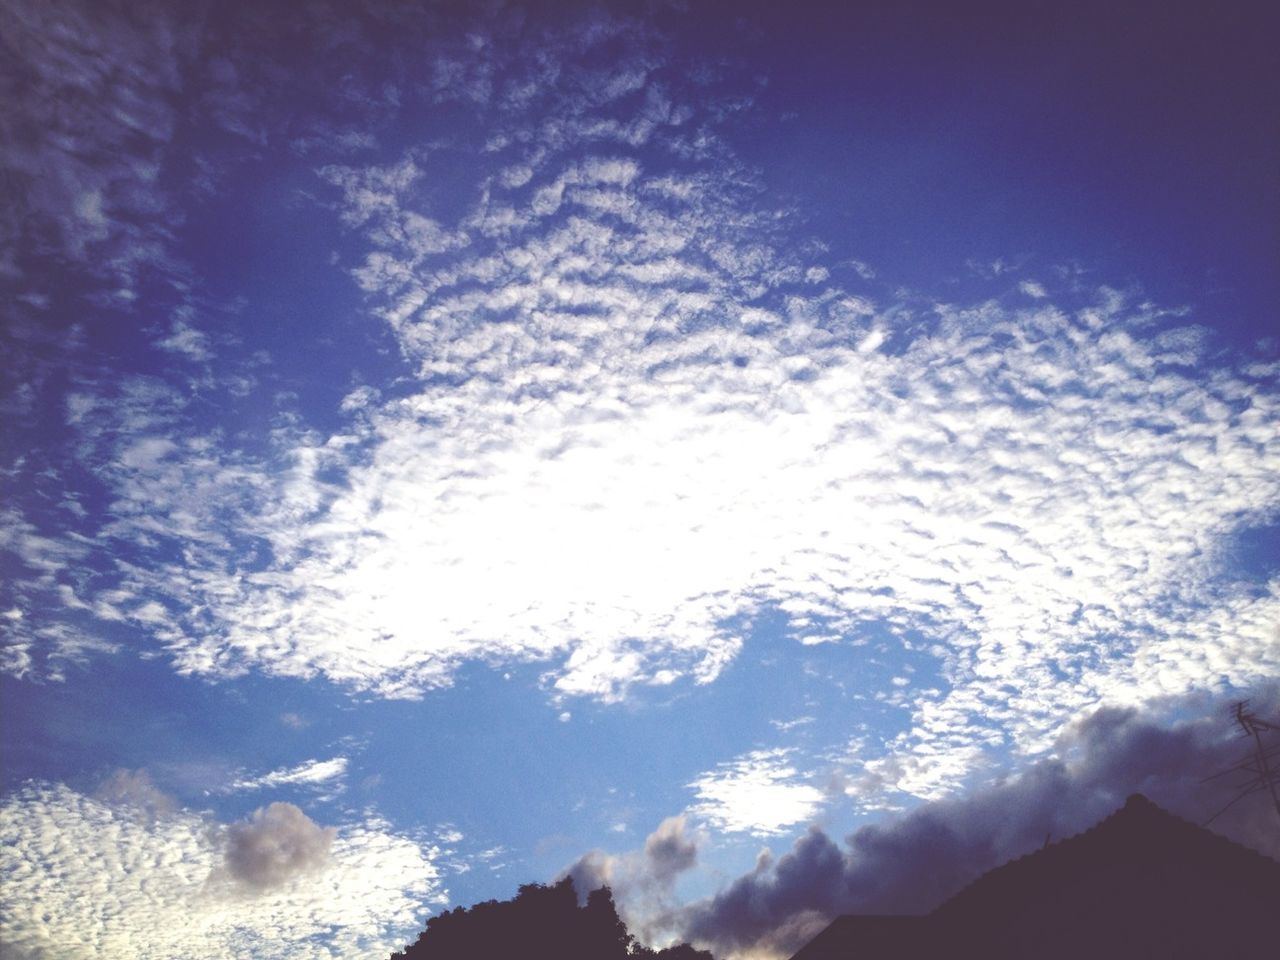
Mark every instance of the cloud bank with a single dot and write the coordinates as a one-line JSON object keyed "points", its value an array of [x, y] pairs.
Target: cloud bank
{"points": [[911, 863]]}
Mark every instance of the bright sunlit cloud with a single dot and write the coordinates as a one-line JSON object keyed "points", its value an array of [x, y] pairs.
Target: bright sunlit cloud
{"points": [[443, 443], [760, 794]]}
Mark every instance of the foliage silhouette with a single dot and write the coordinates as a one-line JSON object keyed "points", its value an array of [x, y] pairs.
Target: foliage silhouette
{"points": [[541, 922]]}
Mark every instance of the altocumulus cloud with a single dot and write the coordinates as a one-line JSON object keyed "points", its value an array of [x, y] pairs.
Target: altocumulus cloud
{"points": [[129, 875], [638, 409], [89, 118]]}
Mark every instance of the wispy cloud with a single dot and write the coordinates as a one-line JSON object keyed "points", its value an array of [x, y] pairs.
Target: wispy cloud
{"points": [[185, 340], [309, 773], [786, 726]]}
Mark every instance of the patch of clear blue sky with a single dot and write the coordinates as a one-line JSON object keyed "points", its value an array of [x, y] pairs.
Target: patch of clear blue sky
{"points": [[492, 756], [1138, 138], [488, 755]]}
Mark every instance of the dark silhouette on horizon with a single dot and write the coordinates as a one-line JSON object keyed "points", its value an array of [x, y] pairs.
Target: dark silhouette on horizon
{"points": [[541, 922], [1259, 769], [1142, 883]]}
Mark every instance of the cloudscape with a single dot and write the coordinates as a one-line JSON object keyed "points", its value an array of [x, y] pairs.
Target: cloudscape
{"points": [[769, 462]]}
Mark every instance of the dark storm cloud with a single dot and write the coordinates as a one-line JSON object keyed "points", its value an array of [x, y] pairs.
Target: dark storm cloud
{"points": [[277, 844], [911, 864]]}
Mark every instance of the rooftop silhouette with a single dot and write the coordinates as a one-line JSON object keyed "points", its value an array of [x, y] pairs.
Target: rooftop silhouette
{"points": [[1141, 883]]}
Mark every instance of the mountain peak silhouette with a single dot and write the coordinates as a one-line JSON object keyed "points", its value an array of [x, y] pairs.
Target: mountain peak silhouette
{"points": [[1141, 883]]}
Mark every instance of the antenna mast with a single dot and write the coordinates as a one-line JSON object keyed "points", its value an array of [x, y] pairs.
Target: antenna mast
{"points": [[1260, 769]]}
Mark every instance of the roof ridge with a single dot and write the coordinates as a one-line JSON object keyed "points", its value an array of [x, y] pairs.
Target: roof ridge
{"points": [[1137, 809]]}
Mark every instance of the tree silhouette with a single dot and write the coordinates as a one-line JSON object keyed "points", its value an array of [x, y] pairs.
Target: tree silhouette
{"points": [[603, 932], [541, 922]]}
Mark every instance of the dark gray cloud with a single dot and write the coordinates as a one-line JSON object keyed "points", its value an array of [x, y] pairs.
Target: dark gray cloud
{"points": [[642, 881], [669, 850], [275, 845], [912, 863]]}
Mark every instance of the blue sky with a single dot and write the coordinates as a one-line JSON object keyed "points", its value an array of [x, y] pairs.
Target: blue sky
{"points": [[445, 448]]}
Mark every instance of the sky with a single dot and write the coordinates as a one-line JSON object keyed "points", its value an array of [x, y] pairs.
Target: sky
{"points": [[772, 461]]}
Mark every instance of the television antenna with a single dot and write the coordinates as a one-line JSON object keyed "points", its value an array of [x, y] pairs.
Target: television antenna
{"points": [[1260, 769]]}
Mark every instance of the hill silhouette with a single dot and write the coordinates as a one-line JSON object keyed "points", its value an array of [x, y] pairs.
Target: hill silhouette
{"points": [[540, 922], [1142, 883]]}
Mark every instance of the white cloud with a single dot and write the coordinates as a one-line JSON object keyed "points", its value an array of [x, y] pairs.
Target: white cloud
{"points": [[186, 340], [635, 421], [85, 879], [760, 793], [786, 726], [1027, 489], [863, 270], [310, 772], [448, 833]]}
